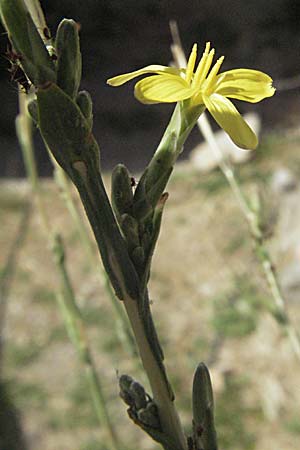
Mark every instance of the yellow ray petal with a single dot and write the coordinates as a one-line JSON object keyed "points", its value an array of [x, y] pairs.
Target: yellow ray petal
{"points": [[164, 88], [228, 117], [244, 84], [154, 68]]}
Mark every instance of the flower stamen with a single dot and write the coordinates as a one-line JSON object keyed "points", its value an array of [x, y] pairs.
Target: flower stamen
{"points": [[203, 66], [191, 64], [213, 73]]}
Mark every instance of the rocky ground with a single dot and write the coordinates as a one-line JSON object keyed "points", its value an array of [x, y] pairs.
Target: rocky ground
{"points": [[210, 302]]}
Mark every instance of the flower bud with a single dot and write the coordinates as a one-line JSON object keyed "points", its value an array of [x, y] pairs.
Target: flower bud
{"points": [[203, 410], [68, 57], [121, 191], [84, 101]]}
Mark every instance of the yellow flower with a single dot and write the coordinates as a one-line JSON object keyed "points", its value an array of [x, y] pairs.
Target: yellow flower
{"points": [[205, 86]]}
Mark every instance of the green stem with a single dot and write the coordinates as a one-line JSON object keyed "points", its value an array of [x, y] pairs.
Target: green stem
{"points": [[37, 15], [8, 270], [24, 132], [91, 189], [171, 145], [161, 391], [112, 247], [153, 183], [89, 183], [64, 184]]}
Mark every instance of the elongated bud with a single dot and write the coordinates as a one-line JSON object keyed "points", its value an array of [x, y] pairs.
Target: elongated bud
{"points": [[142, 208], [203, 410], [149, 417], [138, 257], [68, 57], [130, 230], [139, 394], [146, 198], [149, 239], [121, 191], [85, 103], [27, 43]]}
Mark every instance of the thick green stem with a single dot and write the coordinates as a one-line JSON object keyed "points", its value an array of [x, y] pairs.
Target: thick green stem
{"points": [[161, 393], [111, 244], [89, 185], [171, 145], [153, 184], [36, 12], [64, 184]]}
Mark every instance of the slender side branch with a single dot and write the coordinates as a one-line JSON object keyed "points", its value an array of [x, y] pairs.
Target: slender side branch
{"points": [[253, 221], [75, 327]]}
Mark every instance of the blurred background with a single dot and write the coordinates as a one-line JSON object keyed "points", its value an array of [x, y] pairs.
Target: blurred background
{"points": [[209, 297], [119, 36]]}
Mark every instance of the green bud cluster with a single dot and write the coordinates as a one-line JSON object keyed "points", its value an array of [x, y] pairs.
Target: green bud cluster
{"points": [[139, 216], [142, 409]]}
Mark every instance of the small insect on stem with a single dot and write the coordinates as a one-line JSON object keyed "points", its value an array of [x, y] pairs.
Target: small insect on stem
{"points": [[46, 33], [18, 75], [16, 72]]}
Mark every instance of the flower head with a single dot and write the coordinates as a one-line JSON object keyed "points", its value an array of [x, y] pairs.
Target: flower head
{"points": [[204, 85]]}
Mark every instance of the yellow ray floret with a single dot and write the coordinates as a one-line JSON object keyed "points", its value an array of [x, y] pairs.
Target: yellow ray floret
{"points": [[204, 86]]}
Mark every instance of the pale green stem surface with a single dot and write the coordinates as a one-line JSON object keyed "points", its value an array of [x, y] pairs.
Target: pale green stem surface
{"points": [[167, 412], [37, 15], [88, 185], [157, 174]]}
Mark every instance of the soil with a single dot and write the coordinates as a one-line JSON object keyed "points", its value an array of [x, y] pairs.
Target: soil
{"points": [[210, 302]]}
